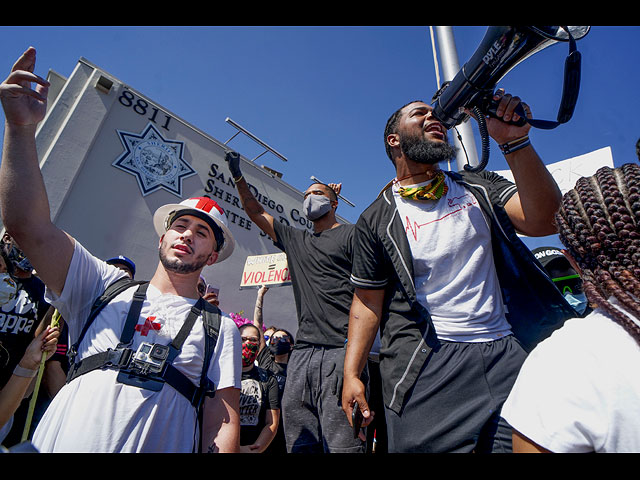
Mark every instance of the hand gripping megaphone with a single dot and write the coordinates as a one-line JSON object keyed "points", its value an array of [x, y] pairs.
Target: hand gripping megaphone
{"points": [[501, 49]]}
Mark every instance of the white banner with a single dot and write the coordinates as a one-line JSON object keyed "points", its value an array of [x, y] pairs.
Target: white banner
{"points": [[567, 172]]}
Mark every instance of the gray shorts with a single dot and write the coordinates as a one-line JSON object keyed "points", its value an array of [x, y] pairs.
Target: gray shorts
{"points": [[312, 414], [455, 404]]}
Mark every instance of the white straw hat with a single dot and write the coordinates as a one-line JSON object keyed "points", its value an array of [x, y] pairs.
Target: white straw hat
{"points": [[201, 207]]}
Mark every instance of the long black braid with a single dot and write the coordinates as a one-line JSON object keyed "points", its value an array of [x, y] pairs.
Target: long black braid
{"points": [[599, 223]]}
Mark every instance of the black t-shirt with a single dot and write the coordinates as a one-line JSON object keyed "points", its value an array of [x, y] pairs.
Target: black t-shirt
{"points": [[320, 266], [259, 393], [267, 361], [18, 321]]}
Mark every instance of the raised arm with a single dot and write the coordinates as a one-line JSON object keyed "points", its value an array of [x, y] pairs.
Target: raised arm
{"points": [[23, 197], [251, 206], [257, 314], [532, 209]]}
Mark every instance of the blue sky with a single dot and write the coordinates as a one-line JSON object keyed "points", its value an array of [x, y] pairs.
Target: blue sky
{"points": [[321, 95]]}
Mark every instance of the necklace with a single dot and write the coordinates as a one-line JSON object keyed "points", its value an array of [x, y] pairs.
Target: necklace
{"points": [[434, 190]]}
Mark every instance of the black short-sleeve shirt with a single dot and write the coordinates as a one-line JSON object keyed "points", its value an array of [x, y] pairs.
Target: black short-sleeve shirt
{"points": [[320, 266], [259, 393], [18, 322]]}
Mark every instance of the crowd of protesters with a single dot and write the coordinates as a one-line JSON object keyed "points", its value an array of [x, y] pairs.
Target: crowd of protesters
{"points": [[427, 326]]}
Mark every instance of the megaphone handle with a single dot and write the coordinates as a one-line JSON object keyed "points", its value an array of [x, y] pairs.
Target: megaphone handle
{"points": [[492, 107]]}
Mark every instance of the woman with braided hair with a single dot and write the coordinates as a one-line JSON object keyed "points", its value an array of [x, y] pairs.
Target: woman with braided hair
{"points": [[579, 390]]}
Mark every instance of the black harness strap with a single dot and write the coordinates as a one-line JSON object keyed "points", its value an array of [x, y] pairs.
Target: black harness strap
{"points": [[570, 88], [110, 358], [120, 357], [112, 290], [134, 314]]}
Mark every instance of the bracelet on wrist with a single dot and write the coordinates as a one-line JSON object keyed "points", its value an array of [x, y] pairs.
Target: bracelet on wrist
{"points": [[514, 145], [236, 180], [24, 372]]}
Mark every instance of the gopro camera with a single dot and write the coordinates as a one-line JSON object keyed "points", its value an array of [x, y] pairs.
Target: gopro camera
{"points": [[150, 357]]}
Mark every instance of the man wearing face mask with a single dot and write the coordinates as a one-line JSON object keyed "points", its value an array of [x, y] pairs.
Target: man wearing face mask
{"points": [[564, 277], [320, 263]]}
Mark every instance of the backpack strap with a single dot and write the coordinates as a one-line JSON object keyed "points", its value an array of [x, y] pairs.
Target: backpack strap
{"points": [[211, 319], [118, 357], [110, 292]]}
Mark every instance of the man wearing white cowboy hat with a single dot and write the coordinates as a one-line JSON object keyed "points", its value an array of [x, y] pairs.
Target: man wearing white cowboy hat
{"points": [[108, 409]]}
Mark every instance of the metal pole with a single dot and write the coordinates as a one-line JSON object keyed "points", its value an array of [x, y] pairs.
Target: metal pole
{"points": [[450, 67], [255, 139]]}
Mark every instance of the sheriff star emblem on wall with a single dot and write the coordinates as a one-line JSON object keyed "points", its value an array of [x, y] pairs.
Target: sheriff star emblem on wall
{"points": [[155, 161]]}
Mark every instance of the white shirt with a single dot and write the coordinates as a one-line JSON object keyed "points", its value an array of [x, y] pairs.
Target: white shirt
{"points": [[579, 390], [454, 274], [95, 413]]}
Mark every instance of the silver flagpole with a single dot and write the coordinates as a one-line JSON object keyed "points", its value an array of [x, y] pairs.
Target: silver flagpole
{"points": [[450, 67]]}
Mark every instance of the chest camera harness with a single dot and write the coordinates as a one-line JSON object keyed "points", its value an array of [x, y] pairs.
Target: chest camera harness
{"points": [[150, 366]]}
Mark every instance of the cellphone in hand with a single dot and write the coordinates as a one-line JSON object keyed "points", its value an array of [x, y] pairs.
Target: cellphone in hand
{"points": [[356, 419], [212, 289]]}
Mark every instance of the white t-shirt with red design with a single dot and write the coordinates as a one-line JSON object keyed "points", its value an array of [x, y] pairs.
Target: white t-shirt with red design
{"points": [[94, 412], [454, 274]]}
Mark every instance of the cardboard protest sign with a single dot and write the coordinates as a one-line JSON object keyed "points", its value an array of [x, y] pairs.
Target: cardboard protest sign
{"points": [[269, 270]]}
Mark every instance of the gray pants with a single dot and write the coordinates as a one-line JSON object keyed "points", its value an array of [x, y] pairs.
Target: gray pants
{"points": [[454, 406], [312, 415]]}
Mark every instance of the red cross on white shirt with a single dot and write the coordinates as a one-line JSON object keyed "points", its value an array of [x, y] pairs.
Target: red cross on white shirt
{"points": [[148, 325]]}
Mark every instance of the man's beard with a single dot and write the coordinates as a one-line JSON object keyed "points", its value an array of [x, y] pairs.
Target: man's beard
{"points": [[422, 150], [177, 266]]}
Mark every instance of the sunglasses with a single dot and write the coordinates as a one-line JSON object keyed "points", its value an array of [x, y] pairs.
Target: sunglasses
{"points": [[569, 284]]}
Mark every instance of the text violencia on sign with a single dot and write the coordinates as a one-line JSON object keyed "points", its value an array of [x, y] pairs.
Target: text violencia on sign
{"points": [[269, 270]]}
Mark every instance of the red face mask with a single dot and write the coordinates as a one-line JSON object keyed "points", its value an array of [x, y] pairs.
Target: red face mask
{"points": [[249, 352]]}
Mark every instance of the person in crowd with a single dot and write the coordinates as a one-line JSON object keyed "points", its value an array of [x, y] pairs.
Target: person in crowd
{"points": [[281, 344], [202, 286], [22, 377], [54, 377], [21, 315], [125, 264], [193, 235], [205, 291], [320, 265], [267, 335], [260, 397], [20, 318], [273, 355], [579, 391], [564, 276], [458, 298]]}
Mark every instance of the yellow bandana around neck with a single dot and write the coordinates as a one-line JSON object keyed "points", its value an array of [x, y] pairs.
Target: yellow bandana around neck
{"points": [[432, 191]]}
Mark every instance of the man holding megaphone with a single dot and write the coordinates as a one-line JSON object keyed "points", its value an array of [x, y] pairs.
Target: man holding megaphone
{"points": [[458, 298]]}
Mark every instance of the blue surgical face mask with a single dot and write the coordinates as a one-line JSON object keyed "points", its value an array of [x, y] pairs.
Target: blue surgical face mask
{"points": [[315, 206], [578, 301]]}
